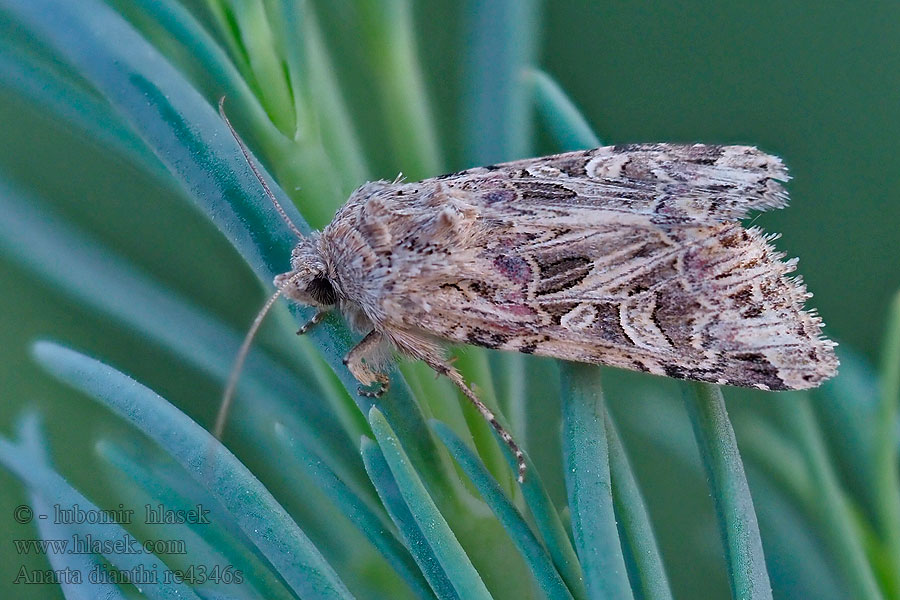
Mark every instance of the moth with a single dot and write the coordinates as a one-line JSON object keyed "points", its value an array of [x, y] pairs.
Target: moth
{"points": [[630, 256]]}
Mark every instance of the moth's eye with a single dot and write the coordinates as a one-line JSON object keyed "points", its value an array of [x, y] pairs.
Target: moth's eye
{"points": [[321, 290]]}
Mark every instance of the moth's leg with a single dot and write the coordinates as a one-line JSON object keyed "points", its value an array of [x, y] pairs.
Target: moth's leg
{"points": [[358, 359], [384, 383], [416, 346], [443, 367], [315, 320]]}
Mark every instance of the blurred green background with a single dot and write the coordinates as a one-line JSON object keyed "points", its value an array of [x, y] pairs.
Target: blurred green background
{"points": [[816, 83]]}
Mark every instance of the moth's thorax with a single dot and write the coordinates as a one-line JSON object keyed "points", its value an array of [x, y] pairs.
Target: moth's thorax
{"points": [[380, 235], [389, 232], [340, 264], [354, 266]]}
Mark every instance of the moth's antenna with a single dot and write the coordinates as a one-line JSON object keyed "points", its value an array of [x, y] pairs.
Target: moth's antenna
{"points": [[256, 171], [228, 395]]}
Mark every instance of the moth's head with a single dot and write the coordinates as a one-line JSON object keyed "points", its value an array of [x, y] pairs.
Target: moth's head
{"points": [[308, 282]]}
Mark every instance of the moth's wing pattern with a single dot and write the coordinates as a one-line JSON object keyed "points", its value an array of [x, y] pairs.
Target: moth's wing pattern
{"points": [[626, 256], [665, 183]]}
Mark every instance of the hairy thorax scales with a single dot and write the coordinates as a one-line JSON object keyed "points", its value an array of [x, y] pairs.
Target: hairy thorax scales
{"points": [[387, 233]]}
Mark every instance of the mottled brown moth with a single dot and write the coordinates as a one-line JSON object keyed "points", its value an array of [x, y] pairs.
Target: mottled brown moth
{"points": [[631, 256]]}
